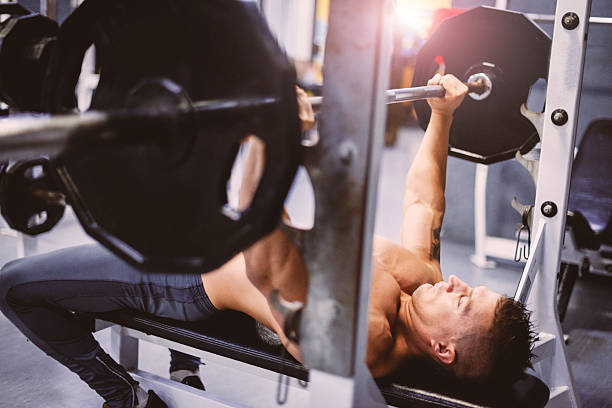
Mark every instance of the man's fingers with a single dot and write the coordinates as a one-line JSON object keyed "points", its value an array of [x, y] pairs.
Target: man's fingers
{"points": [[453, 85], [455, 92], [305, 112], [435, 80], [449, 82]]}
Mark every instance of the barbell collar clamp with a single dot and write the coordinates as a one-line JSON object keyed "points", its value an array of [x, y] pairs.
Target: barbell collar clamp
{"points": [[480, 86]]}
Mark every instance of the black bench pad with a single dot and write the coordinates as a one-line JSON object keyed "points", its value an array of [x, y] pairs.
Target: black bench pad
{"points": [[591, 187], [234, 335], [586, 238]]}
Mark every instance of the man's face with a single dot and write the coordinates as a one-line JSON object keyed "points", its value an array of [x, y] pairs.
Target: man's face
{"points": [[446, 309]]}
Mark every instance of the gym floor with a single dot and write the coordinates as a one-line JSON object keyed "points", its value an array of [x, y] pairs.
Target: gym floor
{"points": [[29, 379]]}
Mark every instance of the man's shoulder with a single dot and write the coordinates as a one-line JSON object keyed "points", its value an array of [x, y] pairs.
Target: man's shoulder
{"points": [[407, 268], [388, 255], [391, 253]]}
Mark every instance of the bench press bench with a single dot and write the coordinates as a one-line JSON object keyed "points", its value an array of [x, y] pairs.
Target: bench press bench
{"points": [[234, 335], [590, 199], [588, 239]]}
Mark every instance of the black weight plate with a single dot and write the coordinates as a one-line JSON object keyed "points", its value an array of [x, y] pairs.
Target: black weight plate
{"points": [[25, 43], [492, 129], [21, 196], [154, 191]]}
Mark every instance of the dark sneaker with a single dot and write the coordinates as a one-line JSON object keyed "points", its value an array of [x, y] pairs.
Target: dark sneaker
{"points": [[194, 381], [153, 402]]}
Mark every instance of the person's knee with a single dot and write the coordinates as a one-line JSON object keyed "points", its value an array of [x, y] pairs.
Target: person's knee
{"points": [[7, 278], [12, 274]]}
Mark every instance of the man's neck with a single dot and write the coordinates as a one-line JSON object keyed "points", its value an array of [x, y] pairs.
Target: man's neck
{"points": [[407, 339]]}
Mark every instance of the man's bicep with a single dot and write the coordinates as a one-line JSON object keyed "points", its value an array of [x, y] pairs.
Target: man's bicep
{"points": [[421, 227]]}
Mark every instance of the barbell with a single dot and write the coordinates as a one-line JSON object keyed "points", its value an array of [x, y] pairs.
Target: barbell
{"points": [[479, 86], [146, 169], [164, 102]]}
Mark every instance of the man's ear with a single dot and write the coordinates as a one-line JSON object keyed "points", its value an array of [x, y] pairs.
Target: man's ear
{"points": [[444, 351]]}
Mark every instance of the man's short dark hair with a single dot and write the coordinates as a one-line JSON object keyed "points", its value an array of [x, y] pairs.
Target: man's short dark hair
{"points": [[487, 358], [511, 340], [499, 353]]}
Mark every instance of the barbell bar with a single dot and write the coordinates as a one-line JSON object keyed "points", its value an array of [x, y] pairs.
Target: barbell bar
{"points": [[479, 86], [24, 137]]}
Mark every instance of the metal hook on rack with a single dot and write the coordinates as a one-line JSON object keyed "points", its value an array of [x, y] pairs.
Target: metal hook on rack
{"points": [[522, 251], [282, 396], [525, 225]]}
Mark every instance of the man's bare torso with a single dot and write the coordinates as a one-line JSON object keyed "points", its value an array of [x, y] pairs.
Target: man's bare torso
{"points": [[391, 265], [229, 288]]}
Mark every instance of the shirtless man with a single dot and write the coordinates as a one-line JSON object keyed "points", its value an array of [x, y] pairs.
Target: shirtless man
{"points": [[472, 332]]}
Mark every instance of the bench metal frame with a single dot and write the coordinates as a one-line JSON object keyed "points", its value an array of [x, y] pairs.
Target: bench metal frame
{"points": [[260, 367], [124, 349], [344, 171]]}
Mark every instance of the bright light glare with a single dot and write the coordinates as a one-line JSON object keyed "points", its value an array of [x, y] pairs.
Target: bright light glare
{"points": [[412, 18]]}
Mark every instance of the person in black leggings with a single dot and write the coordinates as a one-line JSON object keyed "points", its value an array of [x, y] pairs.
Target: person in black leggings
{"points": [[39, 293]]}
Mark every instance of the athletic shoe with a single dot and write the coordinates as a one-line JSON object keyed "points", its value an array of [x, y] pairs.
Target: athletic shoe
{"points": [[194, 381], [153, 402]]}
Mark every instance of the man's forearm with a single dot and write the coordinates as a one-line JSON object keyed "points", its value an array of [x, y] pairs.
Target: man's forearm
{"points": [[254, 165], [426, 179], [273, 262], [424, 204]]}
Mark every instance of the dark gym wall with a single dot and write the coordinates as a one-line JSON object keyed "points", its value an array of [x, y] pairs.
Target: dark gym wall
{"points": [[508, 179]]}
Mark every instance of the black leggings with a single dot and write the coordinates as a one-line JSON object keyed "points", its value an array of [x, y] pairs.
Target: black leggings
{"points": [[38, 294]]}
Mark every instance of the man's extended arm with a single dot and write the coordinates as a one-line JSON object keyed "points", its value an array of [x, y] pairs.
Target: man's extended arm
{"points": [[273, 262], [424, 203], [245, 282]]}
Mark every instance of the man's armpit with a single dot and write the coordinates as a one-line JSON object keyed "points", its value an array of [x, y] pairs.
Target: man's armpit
{"points": [[435, 244]]}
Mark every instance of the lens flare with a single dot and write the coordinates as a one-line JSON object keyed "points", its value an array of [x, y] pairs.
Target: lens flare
{"points": [[413, 16]]}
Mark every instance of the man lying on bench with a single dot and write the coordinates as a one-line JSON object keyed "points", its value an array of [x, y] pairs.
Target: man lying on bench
{"points": [[473, 333]]}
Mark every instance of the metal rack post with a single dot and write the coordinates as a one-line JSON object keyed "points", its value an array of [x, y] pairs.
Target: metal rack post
{"points": [[558, 139], [344, 171]]}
